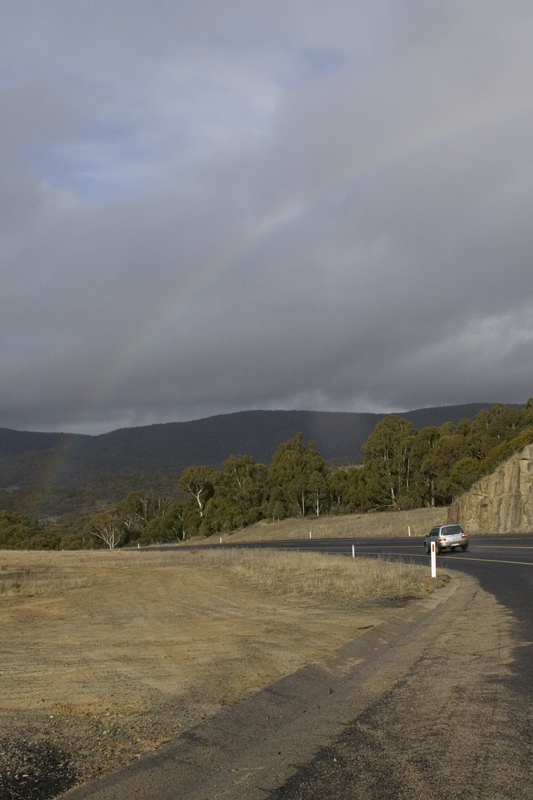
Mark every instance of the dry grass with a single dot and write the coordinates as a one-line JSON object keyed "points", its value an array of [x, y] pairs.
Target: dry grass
{"points": [[17, 580], [45, 573], [120, 650], [386, 524], [331, 578]]}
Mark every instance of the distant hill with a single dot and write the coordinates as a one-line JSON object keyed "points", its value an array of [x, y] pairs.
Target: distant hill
{"points": [[13, 443], [28, 459]]}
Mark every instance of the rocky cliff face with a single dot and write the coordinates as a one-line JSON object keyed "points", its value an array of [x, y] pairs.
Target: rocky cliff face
{"points": [[501, 502]]}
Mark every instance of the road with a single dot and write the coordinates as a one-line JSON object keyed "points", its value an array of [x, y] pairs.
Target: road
{"points": [[434, 705]]}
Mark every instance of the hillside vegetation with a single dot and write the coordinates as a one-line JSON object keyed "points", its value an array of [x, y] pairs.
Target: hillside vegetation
{"points": [[403, 469], [30, 459]]}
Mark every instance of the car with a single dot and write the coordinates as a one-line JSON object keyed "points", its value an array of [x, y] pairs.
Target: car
{"points": [[447, 536]]}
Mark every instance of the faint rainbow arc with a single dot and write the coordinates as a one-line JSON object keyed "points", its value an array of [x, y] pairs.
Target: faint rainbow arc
{"points": [[491, 113]]}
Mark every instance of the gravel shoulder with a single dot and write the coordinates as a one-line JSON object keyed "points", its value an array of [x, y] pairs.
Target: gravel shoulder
{"points": [[453, 726]]}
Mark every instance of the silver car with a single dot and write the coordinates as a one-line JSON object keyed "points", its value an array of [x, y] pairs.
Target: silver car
{"points": [[446, 536]]}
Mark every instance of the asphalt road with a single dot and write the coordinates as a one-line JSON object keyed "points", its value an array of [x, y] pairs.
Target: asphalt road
{"points": [[433, 705]]}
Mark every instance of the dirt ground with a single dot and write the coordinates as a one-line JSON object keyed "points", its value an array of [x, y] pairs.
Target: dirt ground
{"points": [[112, 654]]}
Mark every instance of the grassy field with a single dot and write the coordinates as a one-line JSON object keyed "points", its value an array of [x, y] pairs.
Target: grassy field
{"points": [[387, 524], [336, 579], [339, 579]]}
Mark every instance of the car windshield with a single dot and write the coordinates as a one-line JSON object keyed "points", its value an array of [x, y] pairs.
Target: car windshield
{"points": [[449, 530]]}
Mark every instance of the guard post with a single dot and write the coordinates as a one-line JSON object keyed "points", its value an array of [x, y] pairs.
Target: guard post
{"points": [[433, 559]]}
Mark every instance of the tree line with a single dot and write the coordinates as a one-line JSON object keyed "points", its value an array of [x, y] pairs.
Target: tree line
{"points": [[402, 469]]}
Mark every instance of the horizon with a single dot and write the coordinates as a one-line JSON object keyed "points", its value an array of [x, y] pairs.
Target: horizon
{"points": [[262, 410]]}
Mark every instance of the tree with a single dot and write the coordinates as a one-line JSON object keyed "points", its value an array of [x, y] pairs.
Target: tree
{"points": [[462, 475], [356, 490], [448, 450], [486, 431], [239, 494], [138, 510], [317, 491], [198, 481], [387, 461], [292, 489], [19, 531], [526, 414], [170, 526], [242, 482], [108, 529], [424, 464], [337, 486]]}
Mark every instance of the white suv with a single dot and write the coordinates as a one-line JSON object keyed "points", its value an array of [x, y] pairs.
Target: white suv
{"points": [[446, 536]]}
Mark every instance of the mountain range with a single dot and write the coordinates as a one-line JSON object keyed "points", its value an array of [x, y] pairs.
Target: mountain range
{"points": [[31, 458]]}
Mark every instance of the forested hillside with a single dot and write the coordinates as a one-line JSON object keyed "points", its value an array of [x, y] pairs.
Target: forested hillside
{"points": [[403, 468], [33, 459]]}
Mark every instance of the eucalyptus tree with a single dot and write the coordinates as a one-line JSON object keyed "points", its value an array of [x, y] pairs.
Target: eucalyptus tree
{"points": [[108, 529], [240, 491], [526, 414], [387, 464], [337, 488], [199, 482], [177, 522], [426, 463], [297, 480], [138, 510]]}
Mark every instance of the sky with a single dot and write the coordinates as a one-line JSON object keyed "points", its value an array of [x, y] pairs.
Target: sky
{"points": [[208, 207]]}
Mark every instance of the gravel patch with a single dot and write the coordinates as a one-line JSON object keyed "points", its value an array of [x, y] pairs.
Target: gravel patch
{"points": [[32, 770]]}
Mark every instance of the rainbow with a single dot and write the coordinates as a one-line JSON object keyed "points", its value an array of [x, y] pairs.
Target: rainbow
{"points": [[471, 121]]}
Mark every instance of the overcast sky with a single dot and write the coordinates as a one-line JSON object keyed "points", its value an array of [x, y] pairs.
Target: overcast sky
{"points": [[215, 205]]}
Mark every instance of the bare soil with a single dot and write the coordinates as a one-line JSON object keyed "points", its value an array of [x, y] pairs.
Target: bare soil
{"points": [[106, 655]]}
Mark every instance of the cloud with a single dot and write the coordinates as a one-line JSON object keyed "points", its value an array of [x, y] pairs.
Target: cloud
{"points": [[206, 208]]}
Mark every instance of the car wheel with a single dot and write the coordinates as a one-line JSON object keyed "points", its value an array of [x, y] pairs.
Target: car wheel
{"points": [[428, 549], [464, 548]]}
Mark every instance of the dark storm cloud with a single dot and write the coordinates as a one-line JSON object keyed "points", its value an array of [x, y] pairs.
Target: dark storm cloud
{"points": [[268, 205]]}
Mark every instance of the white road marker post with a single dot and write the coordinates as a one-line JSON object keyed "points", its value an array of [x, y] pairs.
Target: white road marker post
{"points": [[221, 540], [310, 534], [409, 529], [433, 559], [353, 551]]}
